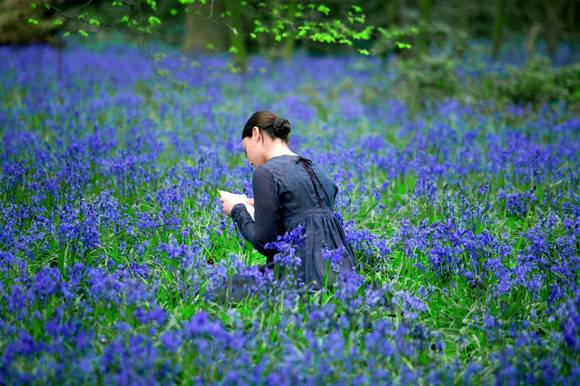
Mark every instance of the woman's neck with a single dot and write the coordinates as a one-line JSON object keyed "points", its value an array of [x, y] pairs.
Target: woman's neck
{"points": [[279, 150]]}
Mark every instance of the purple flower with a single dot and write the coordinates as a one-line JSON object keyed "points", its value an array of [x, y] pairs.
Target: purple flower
{"points": [[156, 314], [171, 340], [335, 257], [287, 245], [47, 282]]}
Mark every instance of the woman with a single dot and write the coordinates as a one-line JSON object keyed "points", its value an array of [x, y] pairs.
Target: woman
{"points": [[289, 190]]}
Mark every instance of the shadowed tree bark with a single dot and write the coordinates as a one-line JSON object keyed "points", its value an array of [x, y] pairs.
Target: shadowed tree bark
{"points": [[552, 10], [425, 16], [498, 26], [15, 28], [237, 34], [201, 30]]}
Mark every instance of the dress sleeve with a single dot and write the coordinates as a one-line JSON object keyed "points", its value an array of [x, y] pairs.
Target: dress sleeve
{"points": [[267, 213]]}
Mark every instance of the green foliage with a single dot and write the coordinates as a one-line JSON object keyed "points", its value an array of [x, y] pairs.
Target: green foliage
{"points": [[426, 78], [391, 38], [325, 22], [312, 22], [154, 20], [535, 83]]}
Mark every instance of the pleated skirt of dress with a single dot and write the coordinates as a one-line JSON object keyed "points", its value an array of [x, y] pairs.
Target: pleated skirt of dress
{"points": [[322, 231]]}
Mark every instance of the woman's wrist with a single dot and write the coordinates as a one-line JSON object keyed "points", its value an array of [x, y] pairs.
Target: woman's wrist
{"points": [[239, 205]]}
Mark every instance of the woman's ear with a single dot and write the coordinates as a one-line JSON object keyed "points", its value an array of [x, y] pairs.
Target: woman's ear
{"points": [[256, 132]]}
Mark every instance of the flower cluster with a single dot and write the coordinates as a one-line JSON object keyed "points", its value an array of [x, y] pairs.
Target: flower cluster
{"points": [[287, 246], [463, 219]]}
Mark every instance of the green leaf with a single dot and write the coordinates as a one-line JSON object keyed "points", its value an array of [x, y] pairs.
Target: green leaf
{"points": [[152, 4], [161, 72], [57, 21], [173, 12], [83, 33], [154, 20], [32, 21], [363, 51], [233, 68], [322, 37], [94, 22], [323, 9], [302, 30], [356, 8], [233, 50], [259, 27], [360, 19], [364, 34], [402, 45], [158, 56]]}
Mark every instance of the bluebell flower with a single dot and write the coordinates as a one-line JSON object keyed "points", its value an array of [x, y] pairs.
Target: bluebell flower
{"points": [[171, 340], [286, 246]]}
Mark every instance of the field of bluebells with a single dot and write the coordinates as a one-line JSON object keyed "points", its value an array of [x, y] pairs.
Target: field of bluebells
{"points": [[114, 246]]}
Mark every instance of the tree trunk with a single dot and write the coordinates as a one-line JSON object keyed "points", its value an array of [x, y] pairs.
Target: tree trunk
{"points": [[531, 39], [571, 13], [498, 27], [463, 16], [291, 40], [237, 35], [393, 12], [551, 26], [425, 16], [202, 32], [15, 28]]}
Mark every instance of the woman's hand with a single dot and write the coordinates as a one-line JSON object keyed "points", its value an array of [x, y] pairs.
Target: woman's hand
{"points": [[228, 204]]}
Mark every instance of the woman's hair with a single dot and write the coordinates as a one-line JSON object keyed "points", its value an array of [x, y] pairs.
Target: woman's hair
{"points": [[269, 122]]}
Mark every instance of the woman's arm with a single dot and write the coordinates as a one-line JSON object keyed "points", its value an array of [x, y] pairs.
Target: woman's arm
{"points": [[267, 214]]}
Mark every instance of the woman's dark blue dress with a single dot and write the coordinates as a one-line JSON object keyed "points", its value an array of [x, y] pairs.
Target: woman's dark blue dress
{"points": [[291, 190]]}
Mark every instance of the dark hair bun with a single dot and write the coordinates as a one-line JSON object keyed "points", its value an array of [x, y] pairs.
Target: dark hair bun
{"points": [[281, 127]]}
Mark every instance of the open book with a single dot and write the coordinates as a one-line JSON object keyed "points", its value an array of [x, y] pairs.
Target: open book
{"points": [[238, 197]]}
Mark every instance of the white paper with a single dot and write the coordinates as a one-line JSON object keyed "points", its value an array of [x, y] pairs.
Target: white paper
{"points": [[237, 198], [250, 209], [232, 196]]}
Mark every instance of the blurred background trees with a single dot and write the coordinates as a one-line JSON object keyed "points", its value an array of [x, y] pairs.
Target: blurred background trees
{"points": [[277, 27], [427, 38]]}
